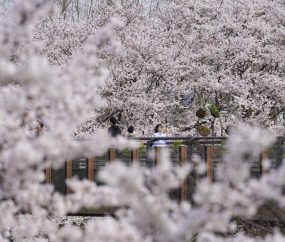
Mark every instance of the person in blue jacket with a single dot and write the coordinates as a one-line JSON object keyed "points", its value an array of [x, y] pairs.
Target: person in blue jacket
{"points": [[159, 133]]}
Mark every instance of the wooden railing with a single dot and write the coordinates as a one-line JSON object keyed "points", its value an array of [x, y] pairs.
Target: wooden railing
{"points": [[206, 147], [91, 165]]}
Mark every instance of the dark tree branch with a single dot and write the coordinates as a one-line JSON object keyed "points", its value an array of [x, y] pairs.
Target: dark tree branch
{"points": [[111, 116]]}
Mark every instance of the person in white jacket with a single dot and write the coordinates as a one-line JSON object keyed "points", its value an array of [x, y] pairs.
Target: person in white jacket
{"points": [[159, 133]]}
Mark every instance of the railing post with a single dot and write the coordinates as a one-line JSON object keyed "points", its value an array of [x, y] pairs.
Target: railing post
{"points": [[135, 156], [157, 155], [68, 174], [48, 174], [148, 150], [112, 154], [183, 161], [264, 156], [90, 168], [210, 163]]}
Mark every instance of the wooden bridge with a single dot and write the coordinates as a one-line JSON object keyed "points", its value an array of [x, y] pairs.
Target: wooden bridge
{"points": [[210, 149]]}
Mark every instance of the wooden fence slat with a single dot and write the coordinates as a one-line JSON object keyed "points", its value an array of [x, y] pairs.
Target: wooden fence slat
{"points": [[135, 155], [157, 155], [68, 174], [112, 154], [48, 174], [210, 163], [264, 157], [183, 160], [90, 169]]}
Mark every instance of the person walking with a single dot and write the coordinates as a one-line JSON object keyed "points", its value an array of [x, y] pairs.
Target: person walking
{"points": [[159, 133], [131, 132], [114, 130]]}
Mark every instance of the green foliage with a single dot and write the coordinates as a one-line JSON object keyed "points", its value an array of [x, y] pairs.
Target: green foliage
{"points": [[175, 147], [214, 110], [223, 144], [202, 127], [177, 143], [142, 149], [124, 153], [127, 150]]}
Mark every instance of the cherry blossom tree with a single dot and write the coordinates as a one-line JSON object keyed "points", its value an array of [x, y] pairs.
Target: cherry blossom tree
{"points": [[186, 54], [221, 53], [232, 62], [63, 91]]}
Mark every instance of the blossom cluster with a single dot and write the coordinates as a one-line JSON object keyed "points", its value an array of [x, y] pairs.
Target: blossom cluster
{"points": [[53, 71], [186, 54]]}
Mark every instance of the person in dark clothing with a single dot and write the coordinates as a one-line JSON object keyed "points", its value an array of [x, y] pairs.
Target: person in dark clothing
{"points": [[132, 133], [114, 130]]}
